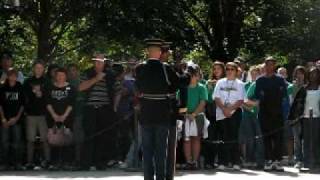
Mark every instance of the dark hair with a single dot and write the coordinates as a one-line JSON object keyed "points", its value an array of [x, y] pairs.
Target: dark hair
{"points": [[62, 70], [40, 62], [118, 69], [302, 69], [6, 56], [193, 70], [72, 65], [221, 64], [12, 71], [313, 68], [50, 68]]}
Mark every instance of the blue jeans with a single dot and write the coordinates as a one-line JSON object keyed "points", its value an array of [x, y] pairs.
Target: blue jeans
{"points": [[154, 144], [255, 149], [133, 159], [297, 134], [11, 139]]}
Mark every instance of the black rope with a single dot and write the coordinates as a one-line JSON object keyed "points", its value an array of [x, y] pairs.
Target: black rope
{"points": [[99, 133], [254, 138]]}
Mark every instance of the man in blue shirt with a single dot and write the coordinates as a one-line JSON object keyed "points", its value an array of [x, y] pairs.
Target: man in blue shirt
{"points": [[270, 92]]}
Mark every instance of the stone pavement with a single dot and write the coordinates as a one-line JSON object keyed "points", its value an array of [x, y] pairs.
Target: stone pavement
{"points": [[290, 173]]}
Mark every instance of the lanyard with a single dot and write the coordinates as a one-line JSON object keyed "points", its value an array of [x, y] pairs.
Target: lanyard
{"points": [[229, 89]]}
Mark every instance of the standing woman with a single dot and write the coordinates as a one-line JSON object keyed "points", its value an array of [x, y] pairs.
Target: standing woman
{"points": [[60, 102], [307, 105], [249, 126], [229, 95], [209, 149], [299, 80], [195, 122], [12, 101]]}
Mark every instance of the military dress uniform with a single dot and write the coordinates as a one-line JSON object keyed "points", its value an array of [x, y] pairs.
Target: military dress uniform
{"points": [[157, 84], [179, 108]]}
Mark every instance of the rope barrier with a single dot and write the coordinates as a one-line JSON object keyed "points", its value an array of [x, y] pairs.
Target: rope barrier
{"points": [[254, 138]]}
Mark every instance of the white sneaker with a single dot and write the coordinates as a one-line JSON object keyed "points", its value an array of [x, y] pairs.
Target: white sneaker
{"points": [[221, 168], [268, 166], [236, 167], [304, 169], [92, 168], [123, 165], [277, 166], [298, 165], [37, 168], [112, 163], [246, 164]]}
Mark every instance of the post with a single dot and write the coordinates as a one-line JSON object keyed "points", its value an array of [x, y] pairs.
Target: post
{"points": [[311, 136], [136, 139]]}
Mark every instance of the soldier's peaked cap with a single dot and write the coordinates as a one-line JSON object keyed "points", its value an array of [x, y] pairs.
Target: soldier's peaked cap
{"points": [[154, 42], [166, 46]]}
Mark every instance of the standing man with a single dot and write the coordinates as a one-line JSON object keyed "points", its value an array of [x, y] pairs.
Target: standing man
{"points": [[34, 88], [157, 84], [180, 108], [270, 92], [98, 84], [6, 65]]}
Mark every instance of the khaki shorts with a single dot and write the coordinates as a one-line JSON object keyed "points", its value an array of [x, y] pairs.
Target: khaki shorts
{"points": [[36, 124]]}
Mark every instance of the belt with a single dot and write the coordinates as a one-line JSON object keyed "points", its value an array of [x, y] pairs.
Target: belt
{"points": [[158, 96]]}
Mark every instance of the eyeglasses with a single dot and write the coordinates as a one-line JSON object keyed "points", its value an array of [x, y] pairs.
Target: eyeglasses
{"points": [[230, 69]]}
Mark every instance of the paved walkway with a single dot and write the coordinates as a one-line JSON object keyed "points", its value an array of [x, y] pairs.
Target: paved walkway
{"points": [[290, 173]]}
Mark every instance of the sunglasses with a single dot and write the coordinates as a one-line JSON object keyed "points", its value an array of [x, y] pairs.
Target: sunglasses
{"points": [[230, 69]]}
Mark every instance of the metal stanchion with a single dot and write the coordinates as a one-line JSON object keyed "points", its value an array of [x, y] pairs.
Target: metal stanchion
{"points": [[309, 122], [136, 139], [172, 145], [311, 137]]}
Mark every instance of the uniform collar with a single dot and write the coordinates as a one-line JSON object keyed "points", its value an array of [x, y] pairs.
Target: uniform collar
{"points": [[154, 59]]}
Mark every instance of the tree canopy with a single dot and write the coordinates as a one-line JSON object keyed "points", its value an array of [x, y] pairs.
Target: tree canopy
{"points": [[63, 31]]}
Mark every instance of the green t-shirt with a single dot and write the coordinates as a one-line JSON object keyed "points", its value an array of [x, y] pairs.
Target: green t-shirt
{"points": [[80, 97], [247, 85], [250, 90], [290, 89], [195, 95]]}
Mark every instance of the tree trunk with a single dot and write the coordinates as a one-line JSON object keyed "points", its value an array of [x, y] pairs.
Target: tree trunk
{"points": [[44, 33], [226, 20]]}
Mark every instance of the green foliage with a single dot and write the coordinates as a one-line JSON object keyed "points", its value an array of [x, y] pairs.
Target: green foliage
{"points": [[17, 37], [70, 31]]}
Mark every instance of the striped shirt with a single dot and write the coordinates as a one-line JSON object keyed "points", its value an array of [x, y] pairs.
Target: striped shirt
{"points": [[98, 94]]}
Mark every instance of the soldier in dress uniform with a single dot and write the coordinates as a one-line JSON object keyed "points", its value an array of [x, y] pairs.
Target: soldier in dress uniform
{"points": [[180, 108], [157, 84]]}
